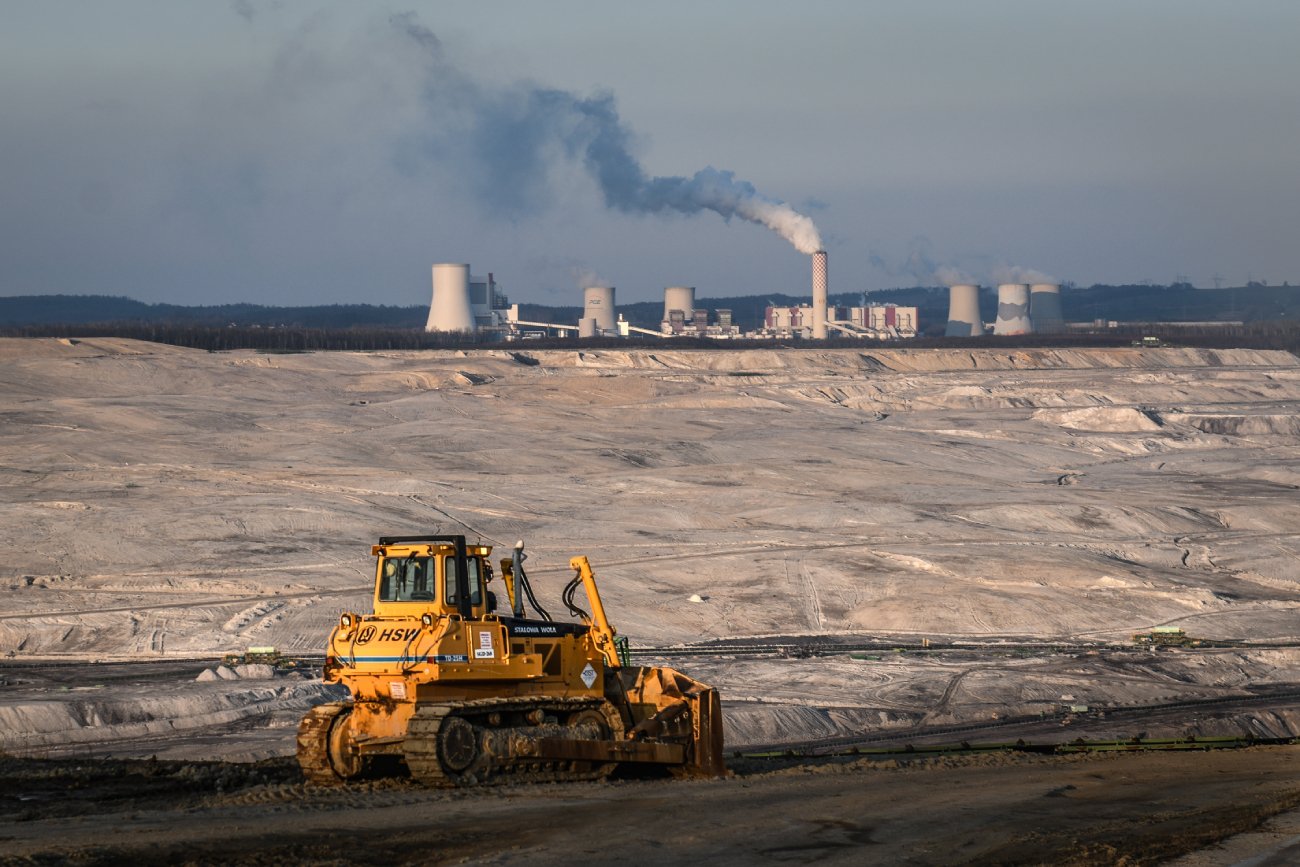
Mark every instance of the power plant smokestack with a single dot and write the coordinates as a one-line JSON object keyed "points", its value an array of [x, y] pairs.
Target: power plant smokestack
{"points": [[819, 293], [1013, 309], [1045, 308], [964, 311], [450, 309], [598, 304], [679, 298]]}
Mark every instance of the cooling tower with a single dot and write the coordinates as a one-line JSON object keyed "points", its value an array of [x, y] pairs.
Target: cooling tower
{"points": [[964, 311], [1045, 308], [1013, 309], [450, 309], [598, 304], [679, 298], [819, 288]]}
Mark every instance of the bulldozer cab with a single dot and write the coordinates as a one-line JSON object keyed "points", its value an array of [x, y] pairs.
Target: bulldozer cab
{"points": [[438, 574]]}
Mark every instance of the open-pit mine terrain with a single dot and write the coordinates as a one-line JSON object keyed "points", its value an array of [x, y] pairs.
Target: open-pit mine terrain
{"points": [[861, 549]]}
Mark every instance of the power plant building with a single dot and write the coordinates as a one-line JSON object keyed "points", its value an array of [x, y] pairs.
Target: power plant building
{"points": [[598, 304], [462, 303], [1013, 310], [964, 311], [787, 318], [1045, 308], [681, 299], [451, 308], [889, 319], [880, 322]]}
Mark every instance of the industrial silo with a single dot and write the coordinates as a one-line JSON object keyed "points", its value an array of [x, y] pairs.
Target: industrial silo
{"points": [[598, 304], [450, 309], [679, 298], [587, 327], [1045, 308], [964, 311], [1013, 309]]}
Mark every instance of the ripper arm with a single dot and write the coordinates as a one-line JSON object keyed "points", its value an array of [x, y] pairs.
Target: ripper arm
{"points": [[601, 631]]}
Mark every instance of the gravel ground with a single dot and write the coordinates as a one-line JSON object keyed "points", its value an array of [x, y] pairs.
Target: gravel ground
{"points": [[1128, 809]]}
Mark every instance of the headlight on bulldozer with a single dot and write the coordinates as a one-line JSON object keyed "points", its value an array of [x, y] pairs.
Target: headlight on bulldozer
{"points": [[427, 619], [346, 621]]}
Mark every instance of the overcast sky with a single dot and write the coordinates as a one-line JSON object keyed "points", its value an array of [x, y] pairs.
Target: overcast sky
{"points": [[298, 152]]}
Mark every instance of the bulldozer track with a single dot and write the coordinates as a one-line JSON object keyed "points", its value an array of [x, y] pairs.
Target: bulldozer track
{"points": [[432, 760], [313, 743]]}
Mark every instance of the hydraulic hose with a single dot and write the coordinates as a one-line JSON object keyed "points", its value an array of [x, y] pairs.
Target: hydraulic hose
{"points": [[521, 580], [567, 597]]}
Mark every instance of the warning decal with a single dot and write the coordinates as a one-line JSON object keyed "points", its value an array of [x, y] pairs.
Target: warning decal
{"points": [[484, 649], [397, 689]]}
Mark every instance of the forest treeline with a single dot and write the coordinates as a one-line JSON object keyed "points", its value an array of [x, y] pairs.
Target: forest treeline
{"points": [[1284, 335], [1179, 302]]}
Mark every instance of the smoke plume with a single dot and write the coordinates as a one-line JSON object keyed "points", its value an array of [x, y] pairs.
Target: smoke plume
{"points": [[517, 132]]}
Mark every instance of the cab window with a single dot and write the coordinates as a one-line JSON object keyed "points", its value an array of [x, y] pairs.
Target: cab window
{"points": [[475, 585], [406, 579]]}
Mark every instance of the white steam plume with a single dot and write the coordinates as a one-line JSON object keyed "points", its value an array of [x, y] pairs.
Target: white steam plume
{"points": [[584, 276], [950, 276], [921, 266], [516, 132], [1019, 274]]}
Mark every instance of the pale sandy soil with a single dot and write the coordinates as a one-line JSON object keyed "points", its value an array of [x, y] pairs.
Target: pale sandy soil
{"points": [[158, 502]]}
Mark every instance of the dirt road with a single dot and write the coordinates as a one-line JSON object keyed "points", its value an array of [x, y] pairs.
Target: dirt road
{"points": [[987, 809]]}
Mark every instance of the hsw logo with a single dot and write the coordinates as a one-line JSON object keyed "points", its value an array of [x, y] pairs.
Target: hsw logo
{"points": [[399, 634]]}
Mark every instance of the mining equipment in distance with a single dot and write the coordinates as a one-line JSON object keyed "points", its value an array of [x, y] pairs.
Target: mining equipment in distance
{"points": [[462, 694]]}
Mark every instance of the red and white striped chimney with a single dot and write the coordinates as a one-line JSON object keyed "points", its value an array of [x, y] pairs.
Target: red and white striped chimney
{"points": [[819, 295]]}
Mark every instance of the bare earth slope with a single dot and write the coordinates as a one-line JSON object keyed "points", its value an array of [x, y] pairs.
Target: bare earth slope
{"points": [[164, 502]]}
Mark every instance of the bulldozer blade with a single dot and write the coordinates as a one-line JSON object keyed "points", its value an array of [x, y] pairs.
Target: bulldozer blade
{"points": [[706, 722], [668, 706]]}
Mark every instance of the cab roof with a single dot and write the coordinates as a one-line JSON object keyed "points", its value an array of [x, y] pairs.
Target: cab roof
{"points": [[427, 549]]}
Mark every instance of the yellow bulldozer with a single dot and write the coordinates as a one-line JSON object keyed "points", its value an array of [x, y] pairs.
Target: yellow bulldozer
{"points": [[463, 694]]}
